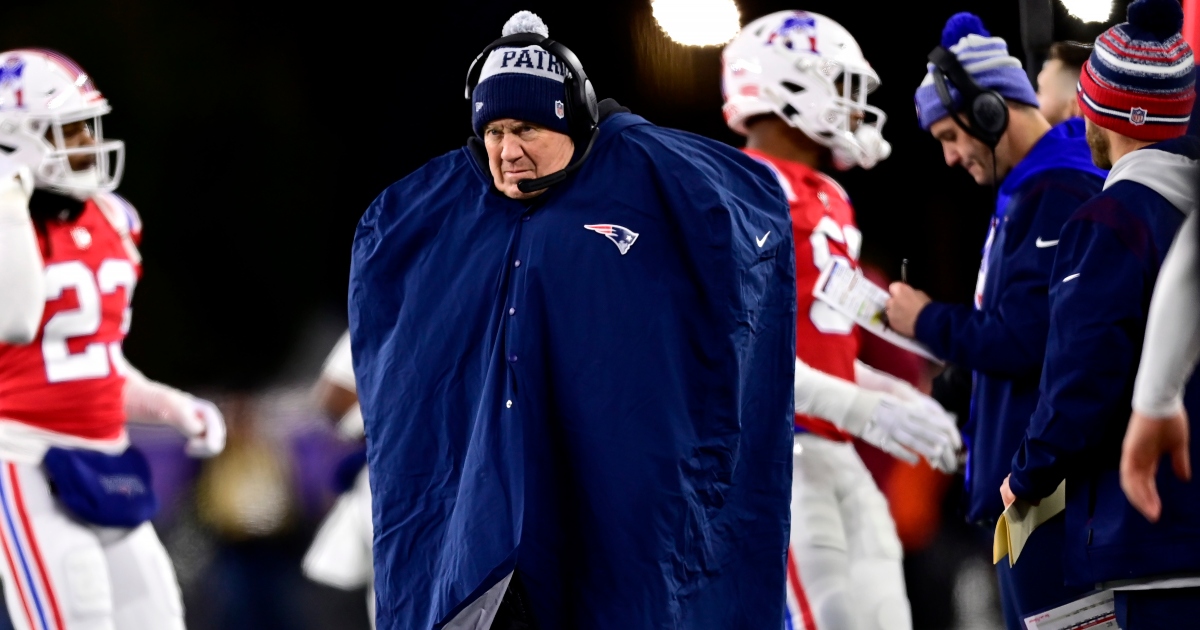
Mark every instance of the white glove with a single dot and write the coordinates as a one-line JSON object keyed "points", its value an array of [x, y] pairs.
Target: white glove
{"points": [[212, 441], [154, 403], [881, 410], [907, 429]]}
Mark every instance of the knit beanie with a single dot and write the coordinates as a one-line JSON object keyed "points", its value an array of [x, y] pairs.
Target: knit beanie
{"points": [[1141, 78], [521, 83], [985, 58]]}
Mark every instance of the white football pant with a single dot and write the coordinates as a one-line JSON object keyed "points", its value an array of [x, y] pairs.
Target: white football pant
{"points": [[844, 564], [340, 554], [62, 574]]}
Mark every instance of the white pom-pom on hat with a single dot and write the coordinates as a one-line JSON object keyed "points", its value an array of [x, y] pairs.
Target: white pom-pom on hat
{"points": [[525, 22]]}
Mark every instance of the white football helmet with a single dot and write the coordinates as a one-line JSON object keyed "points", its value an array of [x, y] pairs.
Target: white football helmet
{"points": [[40, 91], [792, 63]]}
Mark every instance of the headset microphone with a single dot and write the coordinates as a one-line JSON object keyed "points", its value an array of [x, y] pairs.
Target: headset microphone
{"points": [[582, 109], [541, 183]]}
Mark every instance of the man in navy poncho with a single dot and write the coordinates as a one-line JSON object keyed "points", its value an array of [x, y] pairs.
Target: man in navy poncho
{"points": [[577, 388]]}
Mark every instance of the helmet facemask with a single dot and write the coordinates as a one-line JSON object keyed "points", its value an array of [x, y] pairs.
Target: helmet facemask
{"points": [[809, 71], [828, 102], [55, 171]]}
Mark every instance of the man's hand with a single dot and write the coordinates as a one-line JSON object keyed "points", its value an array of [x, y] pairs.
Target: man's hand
{"points": [[1146, 441], [1006, 493], [904, 307], [211, 440]]}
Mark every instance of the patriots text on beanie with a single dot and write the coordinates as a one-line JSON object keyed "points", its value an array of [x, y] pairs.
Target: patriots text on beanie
{"points": [[1141, 78], [525, 83]]}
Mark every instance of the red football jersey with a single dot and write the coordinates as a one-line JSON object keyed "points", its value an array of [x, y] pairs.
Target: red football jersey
{"points": [[70, 379], [823, 228]]}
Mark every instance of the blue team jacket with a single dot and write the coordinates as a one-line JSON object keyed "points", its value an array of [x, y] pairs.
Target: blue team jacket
{"points": [[593, 389], [1108, 260], [1004, 340]]}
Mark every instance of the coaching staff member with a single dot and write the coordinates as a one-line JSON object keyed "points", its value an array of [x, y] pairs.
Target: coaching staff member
{"points": [[573, 340]]}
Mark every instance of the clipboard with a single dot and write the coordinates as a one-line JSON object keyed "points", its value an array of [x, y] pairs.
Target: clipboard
{"points": [[850, 293]]}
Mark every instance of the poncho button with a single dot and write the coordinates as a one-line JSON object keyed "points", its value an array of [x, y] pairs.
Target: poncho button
{"points": [[517, 263], [508, 405], [512, 311]]}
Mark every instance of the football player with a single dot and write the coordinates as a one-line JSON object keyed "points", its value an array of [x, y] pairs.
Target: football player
{"points": [[796, 85], [340, 554], [79, 551]]}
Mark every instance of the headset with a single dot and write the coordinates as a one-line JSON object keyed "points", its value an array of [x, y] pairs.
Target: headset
{"points": [[581, 110], [987, 113]]}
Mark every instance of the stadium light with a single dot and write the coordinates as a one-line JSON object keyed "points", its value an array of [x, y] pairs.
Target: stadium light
{"points": [[1089, 10], [698, 22]]}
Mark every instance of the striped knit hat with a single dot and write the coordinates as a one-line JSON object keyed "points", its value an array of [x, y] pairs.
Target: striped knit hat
{"points": [[985, 58], [1141, 79]]}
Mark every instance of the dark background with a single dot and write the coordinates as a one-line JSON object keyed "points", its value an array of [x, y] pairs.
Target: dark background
{"points": [[257, 134]]}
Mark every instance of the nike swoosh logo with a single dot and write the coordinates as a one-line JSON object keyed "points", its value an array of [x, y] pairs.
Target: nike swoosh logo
{"points": [[762, 240], [1070, 277], [1044, 244]]}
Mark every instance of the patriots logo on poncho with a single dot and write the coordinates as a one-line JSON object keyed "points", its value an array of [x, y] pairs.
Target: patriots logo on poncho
{"points": [[622, 237]]}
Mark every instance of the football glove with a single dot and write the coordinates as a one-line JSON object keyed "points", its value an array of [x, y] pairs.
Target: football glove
{"points": [[908, 429]]}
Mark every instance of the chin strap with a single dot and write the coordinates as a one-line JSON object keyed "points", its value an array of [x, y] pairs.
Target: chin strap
{"points": [[868, 149]]}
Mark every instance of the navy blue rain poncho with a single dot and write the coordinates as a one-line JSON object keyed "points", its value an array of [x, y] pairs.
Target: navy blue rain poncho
{"points": [[593, 389]]}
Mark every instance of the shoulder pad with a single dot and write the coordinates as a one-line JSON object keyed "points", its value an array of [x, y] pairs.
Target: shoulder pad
{"points": [[124, 219], [836, 186], [120, 213]]}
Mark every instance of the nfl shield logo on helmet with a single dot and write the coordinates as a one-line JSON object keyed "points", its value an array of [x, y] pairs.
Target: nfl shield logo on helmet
{"points": [[622, 237], [559, 109], [1137, 116]]}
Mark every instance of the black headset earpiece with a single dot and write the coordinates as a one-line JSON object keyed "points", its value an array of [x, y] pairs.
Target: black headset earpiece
{"points": [[582, 111], [986, 110], [581, 95]]}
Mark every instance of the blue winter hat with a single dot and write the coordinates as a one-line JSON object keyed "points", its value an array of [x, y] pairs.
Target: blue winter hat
{"points": [[985, 58], [521, 83]]}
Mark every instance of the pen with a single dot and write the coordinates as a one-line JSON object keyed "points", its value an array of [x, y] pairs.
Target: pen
{"points": [[904, 271]]}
